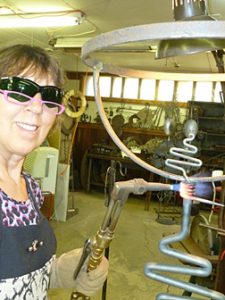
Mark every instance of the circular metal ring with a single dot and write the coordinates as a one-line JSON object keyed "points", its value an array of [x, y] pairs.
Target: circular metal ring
{"points": [[154, 32], [76, 94]]}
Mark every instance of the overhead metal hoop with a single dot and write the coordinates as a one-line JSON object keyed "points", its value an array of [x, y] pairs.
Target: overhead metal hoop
{"points": [[154, 32], [150, 32]]}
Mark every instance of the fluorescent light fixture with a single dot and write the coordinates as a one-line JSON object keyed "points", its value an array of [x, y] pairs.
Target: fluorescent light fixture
{"points": [[56, 19], [76, 42], [67, 42]]}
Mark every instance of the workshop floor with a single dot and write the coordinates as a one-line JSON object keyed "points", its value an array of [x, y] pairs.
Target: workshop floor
{"points": [[135, 244]]}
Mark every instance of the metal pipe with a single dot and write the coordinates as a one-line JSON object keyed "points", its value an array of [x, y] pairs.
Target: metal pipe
{"points": [[199, 267]]}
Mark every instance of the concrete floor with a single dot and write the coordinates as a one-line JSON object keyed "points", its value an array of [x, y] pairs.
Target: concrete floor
{"points": [[135, 244]]}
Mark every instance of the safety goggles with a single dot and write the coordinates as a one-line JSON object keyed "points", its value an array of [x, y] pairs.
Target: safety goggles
{"points": [[21, 91]]}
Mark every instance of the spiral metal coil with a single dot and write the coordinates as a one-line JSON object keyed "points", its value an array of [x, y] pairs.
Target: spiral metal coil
{"points": [[194, 265]]}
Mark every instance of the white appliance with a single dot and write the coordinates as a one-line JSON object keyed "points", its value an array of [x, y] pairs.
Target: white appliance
{"points": [[42, 164]]}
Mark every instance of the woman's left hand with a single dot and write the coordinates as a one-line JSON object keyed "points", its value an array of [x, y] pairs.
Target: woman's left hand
{"points": [[88, 283]]}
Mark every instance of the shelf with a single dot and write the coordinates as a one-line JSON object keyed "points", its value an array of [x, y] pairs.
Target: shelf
{"points": [[215, 118], [131, 130]]}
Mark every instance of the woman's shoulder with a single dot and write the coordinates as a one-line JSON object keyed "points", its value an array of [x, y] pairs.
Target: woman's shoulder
{"points": [[34, 187], [30, 179]]}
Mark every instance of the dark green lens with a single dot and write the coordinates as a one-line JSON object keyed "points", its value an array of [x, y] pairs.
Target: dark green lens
{"points": [[19, 85], [51, 105], [4, 84], [30, 88], [18, 97], [52, 94]]}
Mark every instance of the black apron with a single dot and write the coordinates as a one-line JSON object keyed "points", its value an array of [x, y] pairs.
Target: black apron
{"points": [[25, 249]]}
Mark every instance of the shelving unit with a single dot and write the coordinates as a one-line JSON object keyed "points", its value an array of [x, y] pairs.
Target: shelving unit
{"points": [[211, 123]]}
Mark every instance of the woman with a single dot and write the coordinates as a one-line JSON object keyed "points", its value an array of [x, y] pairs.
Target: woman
{"points": [[30, 103]]}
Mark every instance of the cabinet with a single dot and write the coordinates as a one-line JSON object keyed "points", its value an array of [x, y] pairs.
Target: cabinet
{"points": [[211, 123]]}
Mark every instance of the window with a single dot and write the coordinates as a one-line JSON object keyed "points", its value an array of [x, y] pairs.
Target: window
{"points": [[217, 94], [131, 88], [203, 91], [147, 89], [151, 89], [117, 87], [105, 86], [184, 91], [89, 86], [165, 92]]}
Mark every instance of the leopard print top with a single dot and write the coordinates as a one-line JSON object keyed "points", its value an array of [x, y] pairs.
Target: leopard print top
{"points": [[32, 286], [21, 213]]}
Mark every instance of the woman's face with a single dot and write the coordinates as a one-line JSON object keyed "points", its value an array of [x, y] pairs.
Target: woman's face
{"points": [[23, 128]]}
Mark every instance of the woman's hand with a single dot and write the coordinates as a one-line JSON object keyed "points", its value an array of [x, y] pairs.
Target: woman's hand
{"points": [[88, 283]]}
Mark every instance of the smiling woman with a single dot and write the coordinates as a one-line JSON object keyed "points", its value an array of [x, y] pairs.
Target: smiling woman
{"points": [[30, 101]]}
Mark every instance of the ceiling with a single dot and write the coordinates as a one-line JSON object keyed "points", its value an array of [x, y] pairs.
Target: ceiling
{"points": [[103, 16]]}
